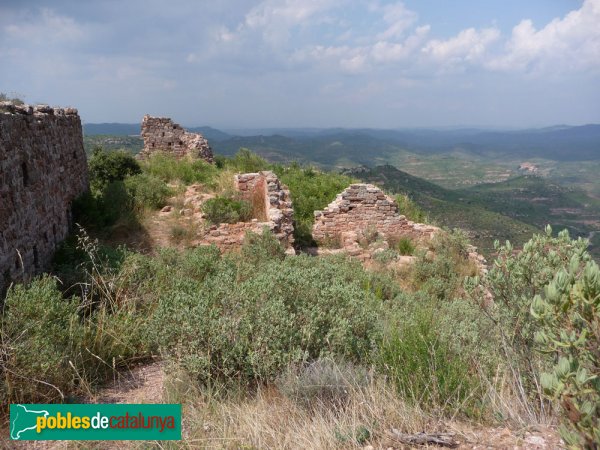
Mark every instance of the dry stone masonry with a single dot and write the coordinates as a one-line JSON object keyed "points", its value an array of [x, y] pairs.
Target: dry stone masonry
{"points": [[363, 209], [161, 134], [42, 170], [271, 202]]}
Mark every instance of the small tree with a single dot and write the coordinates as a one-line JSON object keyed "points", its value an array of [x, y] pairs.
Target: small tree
{"points": [[514, 280], [108, 167], [569, 316]]}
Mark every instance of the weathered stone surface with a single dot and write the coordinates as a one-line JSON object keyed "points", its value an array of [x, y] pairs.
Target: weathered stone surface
{"points": [[42, 170], [160, 134], [362, 207]]}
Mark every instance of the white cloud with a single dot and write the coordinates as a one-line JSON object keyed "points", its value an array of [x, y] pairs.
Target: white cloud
{"points": [[348, 59], [387, 52], [47, 27], [567, 44], [290, 12], [398, 18], [468, 46], [354, 63], [276, 18]]}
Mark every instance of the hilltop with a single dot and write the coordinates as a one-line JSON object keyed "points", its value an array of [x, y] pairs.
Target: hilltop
{"points": [[275, 299]]}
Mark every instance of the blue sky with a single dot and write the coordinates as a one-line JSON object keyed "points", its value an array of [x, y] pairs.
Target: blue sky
{"points": [[308, 63]]}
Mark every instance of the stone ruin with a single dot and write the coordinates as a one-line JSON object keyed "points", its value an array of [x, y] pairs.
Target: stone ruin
{"points": [[364, 209], [271, 202], [160, 134], [361, 209], [43, 169]]}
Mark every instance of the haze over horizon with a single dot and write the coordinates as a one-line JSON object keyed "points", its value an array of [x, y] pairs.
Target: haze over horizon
{"points": [[297, 64]]}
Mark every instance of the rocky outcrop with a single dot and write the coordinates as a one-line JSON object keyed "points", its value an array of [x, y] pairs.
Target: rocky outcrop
{"points": [[43, 169], [160, 134]]}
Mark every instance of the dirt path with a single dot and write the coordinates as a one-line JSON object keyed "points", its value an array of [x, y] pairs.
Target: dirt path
{"points": [[143, 384]]}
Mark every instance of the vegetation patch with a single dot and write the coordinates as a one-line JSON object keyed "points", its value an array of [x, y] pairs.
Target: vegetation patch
{"points": [[226, 210]]}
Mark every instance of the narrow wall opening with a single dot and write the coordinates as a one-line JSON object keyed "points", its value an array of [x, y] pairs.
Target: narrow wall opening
{"points": [[25, 173]]}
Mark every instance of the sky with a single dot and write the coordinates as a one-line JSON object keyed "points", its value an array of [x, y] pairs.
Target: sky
{"points": [[308, 63]]}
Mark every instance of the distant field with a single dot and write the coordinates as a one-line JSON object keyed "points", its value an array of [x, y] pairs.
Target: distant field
{"points": [[133, 144]]}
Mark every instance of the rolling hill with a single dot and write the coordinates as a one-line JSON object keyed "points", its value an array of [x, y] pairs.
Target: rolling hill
{"points": [[449, 209], [513, 209]]}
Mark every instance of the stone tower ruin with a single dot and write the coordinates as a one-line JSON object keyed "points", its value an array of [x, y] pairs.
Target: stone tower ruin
{"points": [[160, 134], [43, 169]]}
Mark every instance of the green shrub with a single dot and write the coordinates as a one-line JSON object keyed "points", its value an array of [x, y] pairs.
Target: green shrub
{"points": [[251, 327], [103, 208], [436, 275], [108, 167], [245, 161], [420, 356], [441, 272], [169, 168], [50, 350], [406, 247], [110, 198], [311, 191], [384, 257], [410, 209], [332, 241], [568, 319], [178, 233], [38, 330], [120, 200], [262, 247], [147, 191], [226, 210], [368, 236], [514, 279]]}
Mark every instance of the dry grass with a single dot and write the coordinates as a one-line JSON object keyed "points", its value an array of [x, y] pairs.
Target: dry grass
{"points": [[268, 419], [505, 398], [224, 183]]}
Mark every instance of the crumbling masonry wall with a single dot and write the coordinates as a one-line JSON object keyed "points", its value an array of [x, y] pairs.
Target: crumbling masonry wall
{"points": [[278, 215], [160, 134], [363, 207], [42, 170]]}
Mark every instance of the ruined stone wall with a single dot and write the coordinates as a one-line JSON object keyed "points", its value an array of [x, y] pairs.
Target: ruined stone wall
{"points": [[161, 134], [361, 208], [42, 170], [263, 187]]}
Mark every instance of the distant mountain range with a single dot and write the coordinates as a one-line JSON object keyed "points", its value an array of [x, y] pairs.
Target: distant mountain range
{"points": [[328, 146], [133, 129]]}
